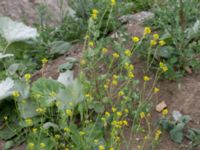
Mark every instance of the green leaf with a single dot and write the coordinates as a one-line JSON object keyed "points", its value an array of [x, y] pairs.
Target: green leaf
{"points": [[43, 138], [6, 87], [59, 47], [14, 31], [176, 134], [73, 93], [45, 91], [66, 66]]}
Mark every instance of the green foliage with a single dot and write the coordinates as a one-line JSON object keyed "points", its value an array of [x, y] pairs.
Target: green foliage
{"points": [[181, 32], [178, 130]]}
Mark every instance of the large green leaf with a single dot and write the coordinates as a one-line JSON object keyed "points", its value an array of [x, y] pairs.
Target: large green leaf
{"points": [[176, 134], [14, 31], [45, 90], [73, 93], [59, 47], [6, 87]]}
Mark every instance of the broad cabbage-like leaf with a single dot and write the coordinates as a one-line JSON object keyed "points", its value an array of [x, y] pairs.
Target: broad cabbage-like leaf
{"points": [[45, 91], [6, 87], [5, 55], [66, 78], [14, 31], [73, 94]]}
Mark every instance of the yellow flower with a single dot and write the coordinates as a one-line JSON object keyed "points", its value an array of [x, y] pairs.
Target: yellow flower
{"points": [[146, 78], [126, 111], [116, 55], [156, 90], [101, 147], [87, 36], [104, 50], [57, 136], [15, 94], [96, 141], [163, 67], [153, 42], [31, 145], [103, 119], [91, 43], [113, 2], [125, 122], [119, 113], [165, 112], [111, 148], [157, 134], [114, 82], [135, 39], [40, 110], [44, 61], [69, 112], [114, 109], [107, 114], [82, 61], [142, 115], [147, 30], [156, 36], [82, 133], [29, 122], [34, 130], [66, 129], [131, 75], [162, 43], [121, 93], [105, 86], [94, 14], [42, 145], [27, 76], [5, 118], [115, 76], [127, 52]]}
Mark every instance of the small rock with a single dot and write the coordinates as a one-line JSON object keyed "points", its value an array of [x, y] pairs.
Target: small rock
{"points": [[162, 105], [138, 17]]}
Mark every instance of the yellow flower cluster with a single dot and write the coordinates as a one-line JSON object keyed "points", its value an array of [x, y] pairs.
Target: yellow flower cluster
{"points": [[146, 78], [42, 145], [31, 145], [91, 43], [135, 39], [27, 76], [115, 55], [66, 129], [165, 112], [29, 122], [153, 42], [40, 110], [142, 115], [113, 2], [163, 67], [119, 124], [162, 42], [101, 147], [157, 134], [147, 30], [44, 61], [94, 14], [127, 52], [15, 94], [104, 50], [156, 90], [69, 112]]}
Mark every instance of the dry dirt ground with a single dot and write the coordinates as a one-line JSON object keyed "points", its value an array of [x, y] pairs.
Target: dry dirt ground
{"points": [[182, 95]]}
